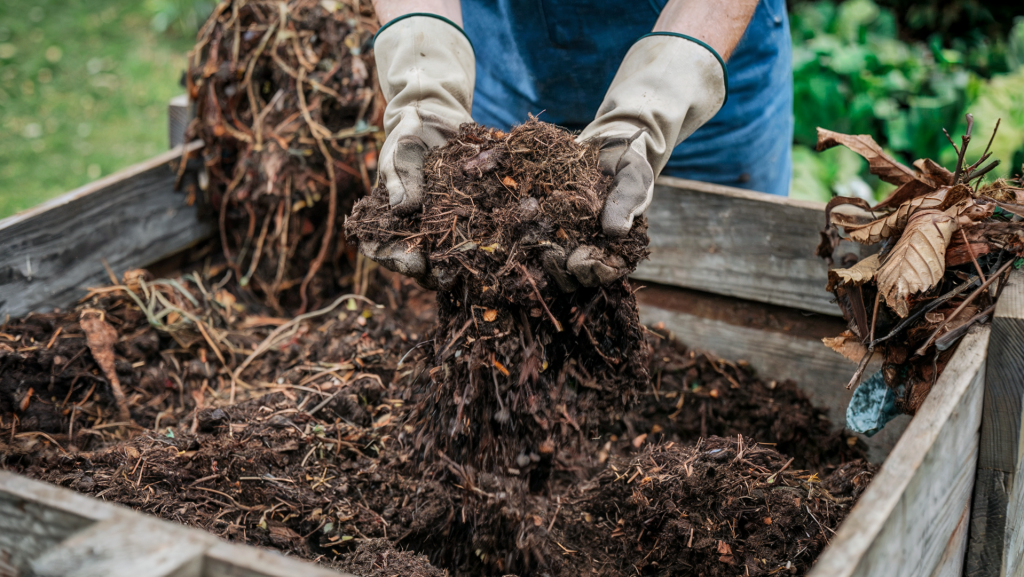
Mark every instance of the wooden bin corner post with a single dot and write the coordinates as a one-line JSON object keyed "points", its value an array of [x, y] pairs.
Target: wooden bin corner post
{"points": [[912, 519], [996, 541]]}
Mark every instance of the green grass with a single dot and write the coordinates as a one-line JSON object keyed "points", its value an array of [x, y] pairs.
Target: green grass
{"points": [[84, 86]]}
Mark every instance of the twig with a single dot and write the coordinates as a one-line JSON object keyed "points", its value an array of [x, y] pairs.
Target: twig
{"points": [[966, 139], [945, 341], [332, 203], [270, 340], [558, 325], [962, 306], [970, 251], [874, 315]]}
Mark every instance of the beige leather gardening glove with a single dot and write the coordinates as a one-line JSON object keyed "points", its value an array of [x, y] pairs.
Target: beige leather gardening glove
{"points": [[667, 87], [427, 70]]}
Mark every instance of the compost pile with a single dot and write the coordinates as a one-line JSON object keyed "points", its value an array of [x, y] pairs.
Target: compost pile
{"points": [[524, 359], [315, 455], [943, 239], [287, 110]]}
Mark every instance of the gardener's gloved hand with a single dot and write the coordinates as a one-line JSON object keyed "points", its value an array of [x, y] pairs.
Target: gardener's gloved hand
{"points": [[667, 86], [427, 70]]}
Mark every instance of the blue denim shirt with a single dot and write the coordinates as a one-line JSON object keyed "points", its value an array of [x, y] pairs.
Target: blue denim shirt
{"points": [[556, 59]]}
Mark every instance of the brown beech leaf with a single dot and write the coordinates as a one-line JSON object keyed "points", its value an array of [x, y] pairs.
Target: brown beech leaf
{"points": [[100, 337], [934, 170], [857, 274], [848, 345], [904, 193], [490, 315], [879, 163], [918, 260], [916, 188], [893, 224]]}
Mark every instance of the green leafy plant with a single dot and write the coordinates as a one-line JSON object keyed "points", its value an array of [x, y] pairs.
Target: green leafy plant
{"points": [[179, 16], [852, 73]]}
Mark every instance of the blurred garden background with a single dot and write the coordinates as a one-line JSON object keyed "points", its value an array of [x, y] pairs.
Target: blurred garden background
{"points": [[84, 86]]}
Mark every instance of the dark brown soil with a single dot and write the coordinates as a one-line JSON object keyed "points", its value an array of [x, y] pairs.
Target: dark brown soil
{"points": [[321, 468], [524, 361]]}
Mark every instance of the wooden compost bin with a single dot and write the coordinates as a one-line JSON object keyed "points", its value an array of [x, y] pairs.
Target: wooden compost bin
{"points": [[731, 272]]}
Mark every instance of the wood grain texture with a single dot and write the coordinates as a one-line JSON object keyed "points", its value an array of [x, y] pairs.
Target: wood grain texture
{"points": [[777, 343], [906, 520], [51, 531], [227, 560], [739, 243], [126, 546], [51, 253], [952, 562], [995, 543]]}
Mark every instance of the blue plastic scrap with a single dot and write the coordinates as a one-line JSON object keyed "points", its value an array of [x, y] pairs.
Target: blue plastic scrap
{"points": [[873, 405]]}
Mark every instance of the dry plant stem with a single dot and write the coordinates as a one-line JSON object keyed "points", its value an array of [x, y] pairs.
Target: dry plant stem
{"points": [[966, 139], [963, 305], [874, 316], [855, 379], [947, 340], [269, 341], [558, 325], [332, 202], [970, 252], [924, 310]]}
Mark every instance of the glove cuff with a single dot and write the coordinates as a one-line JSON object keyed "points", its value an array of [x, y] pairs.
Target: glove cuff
{"points": [[706, 46], [425, 66], [668, 86], [398, 19]]}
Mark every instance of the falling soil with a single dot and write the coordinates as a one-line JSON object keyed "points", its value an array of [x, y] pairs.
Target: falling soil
{"points": [[316, 456], [524, 361]]}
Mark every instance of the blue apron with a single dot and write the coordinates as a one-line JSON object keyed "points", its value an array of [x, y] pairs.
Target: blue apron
{"points": [[556, 59]]}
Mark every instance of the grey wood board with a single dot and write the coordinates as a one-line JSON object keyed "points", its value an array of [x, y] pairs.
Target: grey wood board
{"points": [[227, 560], [130, 546], [906, 520], [994, 545], [738, 243], [28, 529], [951, 564], [51, 253], [988, 523], [48, 530], [818, 371]]}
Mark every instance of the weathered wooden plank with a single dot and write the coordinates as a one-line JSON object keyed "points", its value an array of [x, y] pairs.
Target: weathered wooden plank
{"points": [[905, 521], [51, 531], [995, 543], [226, 560], [952, 562], [50, 253], [779, 343], [739, 243], [126, 546]]}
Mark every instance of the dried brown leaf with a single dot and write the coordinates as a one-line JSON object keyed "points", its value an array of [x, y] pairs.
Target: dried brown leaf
{"points": [[857, 274], [894, 224], [100, 338], [934, 170], [918, 261], [490, 315], [848, 345], [881, 164]]}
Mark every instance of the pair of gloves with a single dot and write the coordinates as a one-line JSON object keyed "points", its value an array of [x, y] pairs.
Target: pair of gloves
{"points": [[667, 86]]}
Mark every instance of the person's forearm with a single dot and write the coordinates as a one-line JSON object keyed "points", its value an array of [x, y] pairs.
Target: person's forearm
{"points": [[720, 24], [388, 10]]}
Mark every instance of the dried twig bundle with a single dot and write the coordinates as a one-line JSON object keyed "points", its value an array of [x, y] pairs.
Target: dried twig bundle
{"points": [[288, 113], [944, 240]]}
